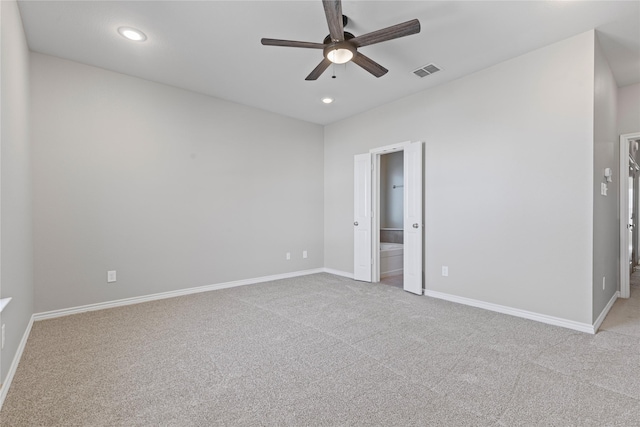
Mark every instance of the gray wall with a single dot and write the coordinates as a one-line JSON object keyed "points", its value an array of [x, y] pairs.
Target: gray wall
{"points": [[170, 188], [606, 239], [16, 260], [508, 176], [629, 109], [391, 200]]}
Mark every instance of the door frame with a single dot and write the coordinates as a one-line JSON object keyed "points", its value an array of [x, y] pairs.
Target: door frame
{"points": [[625, 271], [375, 201]]}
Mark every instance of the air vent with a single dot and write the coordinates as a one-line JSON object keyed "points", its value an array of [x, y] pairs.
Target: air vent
{"points": [[426, 70]]}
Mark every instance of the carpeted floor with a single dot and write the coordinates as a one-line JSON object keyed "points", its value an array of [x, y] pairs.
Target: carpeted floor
{"points": [[324, 350]]}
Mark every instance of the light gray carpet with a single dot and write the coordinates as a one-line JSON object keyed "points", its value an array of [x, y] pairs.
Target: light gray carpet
{"points": [[322, 350]]}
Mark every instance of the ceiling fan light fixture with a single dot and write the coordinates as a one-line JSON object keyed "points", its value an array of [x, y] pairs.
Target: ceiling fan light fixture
{"points": [[340, 56], [340, 53]]}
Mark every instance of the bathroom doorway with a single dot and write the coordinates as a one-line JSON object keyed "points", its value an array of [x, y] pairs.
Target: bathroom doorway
{"points": [[391, 209], [371, 186]]}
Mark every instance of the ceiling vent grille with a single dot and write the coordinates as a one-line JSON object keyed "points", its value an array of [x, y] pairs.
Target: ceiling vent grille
{"points": [[426, 70]]}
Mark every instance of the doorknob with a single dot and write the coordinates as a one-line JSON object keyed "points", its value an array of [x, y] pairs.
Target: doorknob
{"points": [[415, 225], [355, 223]]}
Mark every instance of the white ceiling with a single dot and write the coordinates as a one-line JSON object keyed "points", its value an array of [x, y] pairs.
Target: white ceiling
{"points": [[213, 47]]}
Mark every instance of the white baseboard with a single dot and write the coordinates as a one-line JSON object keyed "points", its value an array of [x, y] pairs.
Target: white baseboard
{"points": [[163, 295], [551, 320], [14, 364], [338, 272], [605, 311]]}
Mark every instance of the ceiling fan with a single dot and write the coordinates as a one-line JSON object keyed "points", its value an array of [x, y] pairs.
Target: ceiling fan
{"points": [[340, 47]]}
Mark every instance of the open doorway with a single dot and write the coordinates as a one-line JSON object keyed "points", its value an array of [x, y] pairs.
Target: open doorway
{"points": [[368, 193], [391, 218]]}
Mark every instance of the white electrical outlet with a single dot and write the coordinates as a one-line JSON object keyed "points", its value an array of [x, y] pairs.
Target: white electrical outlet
{"points": [[2, 344], [445, 270], [288, 256], [304, 254], [111, 276]]}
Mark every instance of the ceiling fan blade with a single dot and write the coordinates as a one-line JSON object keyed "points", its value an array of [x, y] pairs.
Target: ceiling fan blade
{"points": [[333, 11], [291, 43], [389, 33], [319, 69], [369, 65]]}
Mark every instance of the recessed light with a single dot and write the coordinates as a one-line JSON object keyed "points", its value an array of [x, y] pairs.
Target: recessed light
{"points": [[132, 34], [327, 100]]}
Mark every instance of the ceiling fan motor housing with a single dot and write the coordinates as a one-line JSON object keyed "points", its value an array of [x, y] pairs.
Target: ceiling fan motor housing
{"points": [[347, 36]]}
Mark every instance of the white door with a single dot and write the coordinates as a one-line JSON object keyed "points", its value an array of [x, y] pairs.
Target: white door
{"points": [[413, 228], [631, 220], [362, 218]]}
